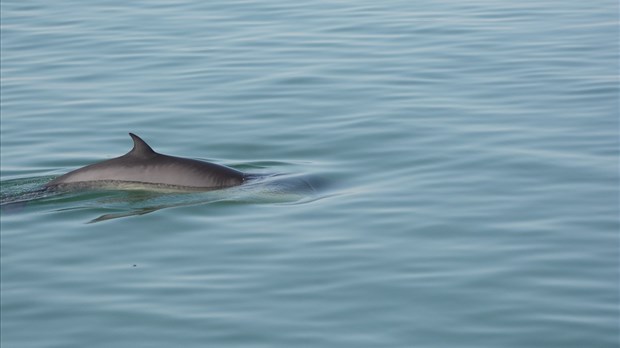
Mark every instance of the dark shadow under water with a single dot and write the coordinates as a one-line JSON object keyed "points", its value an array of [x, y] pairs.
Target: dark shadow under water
{"points": [[19, 194]]}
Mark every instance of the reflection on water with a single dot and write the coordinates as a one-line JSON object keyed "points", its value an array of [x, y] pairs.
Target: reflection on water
{"points": [[17, 195]]}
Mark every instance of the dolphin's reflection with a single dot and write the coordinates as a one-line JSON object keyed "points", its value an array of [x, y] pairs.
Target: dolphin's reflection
{"points": [[262, 189], [19, 195]]}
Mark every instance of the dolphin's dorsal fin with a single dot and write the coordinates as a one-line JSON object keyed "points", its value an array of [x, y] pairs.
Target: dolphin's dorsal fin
{"points": [[140, 148]]}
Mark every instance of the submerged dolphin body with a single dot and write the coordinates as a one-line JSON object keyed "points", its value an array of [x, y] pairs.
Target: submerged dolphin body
{"points": [[146, 169]]}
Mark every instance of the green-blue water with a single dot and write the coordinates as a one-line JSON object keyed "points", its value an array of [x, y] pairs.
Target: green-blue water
{"points": [[461, 160]]}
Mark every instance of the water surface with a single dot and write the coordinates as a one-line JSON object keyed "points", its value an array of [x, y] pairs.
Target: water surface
{"points": [[464, 155]]}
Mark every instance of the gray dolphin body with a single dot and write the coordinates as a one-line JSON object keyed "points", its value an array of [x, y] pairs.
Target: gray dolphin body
{"points": [[144, 168]]}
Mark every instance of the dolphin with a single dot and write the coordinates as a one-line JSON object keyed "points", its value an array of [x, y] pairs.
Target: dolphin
{"points": [[143, 168]]}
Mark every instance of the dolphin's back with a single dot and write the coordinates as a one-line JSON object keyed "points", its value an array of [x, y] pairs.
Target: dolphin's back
{"points": [[142, 165]]}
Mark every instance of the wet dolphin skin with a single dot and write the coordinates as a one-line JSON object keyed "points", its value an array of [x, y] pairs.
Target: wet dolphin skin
{"points": [[142, 167]]}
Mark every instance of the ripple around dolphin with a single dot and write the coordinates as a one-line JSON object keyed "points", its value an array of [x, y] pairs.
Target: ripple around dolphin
{"points": [[19, 194]]}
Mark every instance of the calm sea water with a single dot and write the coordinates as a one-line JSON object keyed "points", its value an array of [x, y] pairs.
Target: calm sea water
{"points": [[450, 174]]}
